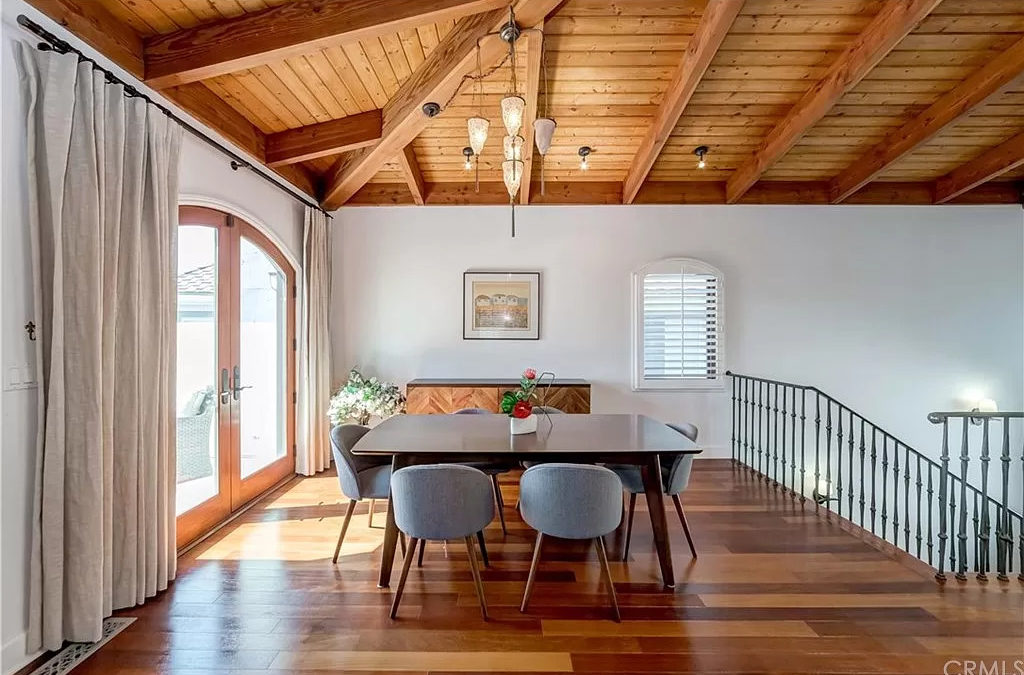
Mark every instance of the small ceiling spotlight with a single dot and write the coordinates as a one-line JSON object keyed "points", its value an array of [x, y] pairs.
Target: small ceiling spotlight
{"points": [[583, 152], [431, 109], [701, 151], [467, 152]]}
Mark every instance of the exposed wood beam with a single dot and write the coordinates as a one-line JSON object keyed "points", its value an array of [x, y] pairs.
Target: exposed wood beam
{"points": [[324, 139], [207, 107], [287, 30], [534, 50], [436, 80], [694, 192], [413, 176], [890, 25], [714, 24], [991, 164], [959, 101], [97, 27]]}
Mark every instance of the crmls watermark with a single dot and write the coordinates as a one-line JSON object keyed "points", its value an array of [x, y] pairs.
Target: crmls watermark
{"points": [[993, 667]]}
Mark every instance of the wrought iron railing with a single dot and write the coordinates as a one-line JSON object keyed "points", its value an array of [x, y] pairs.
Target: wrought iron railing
{"points": [[808, 443]]}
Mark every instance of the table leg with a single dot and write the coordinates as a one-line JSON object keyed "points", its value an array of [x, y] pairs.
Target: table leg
{"points": [[387, 551], [651, 472]]}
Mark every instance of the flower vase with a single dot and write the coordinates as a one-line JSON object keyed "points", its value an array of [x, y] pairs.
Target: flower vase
{"points": [[523, 425]]}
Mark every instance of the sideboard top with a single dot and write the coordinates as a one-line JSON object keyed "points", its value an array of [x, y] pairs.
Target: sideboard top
{"points": [[489, 382]]}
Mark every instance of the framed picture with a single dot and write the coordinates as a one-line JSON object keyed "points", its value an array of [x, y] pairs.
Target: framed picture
{"points": [[501, 306]]}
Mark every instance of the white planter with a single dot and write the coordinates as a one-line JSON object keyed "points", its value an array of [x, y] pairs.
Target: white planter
{"points": [[526, 425]]}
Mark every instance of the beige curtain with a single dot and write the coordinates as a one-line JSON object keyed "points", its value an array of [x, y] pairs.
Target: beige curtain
{"points": [[103, 186], [314, 446]]}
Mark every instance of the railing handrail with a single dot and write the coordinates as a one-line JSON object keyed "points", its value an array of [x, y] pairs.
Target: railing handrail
{"points": [[940, 417]]}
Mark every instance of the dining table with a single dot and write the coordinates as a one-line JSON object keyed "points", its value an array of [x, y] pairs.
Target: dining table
{"points": [[582, 439]]}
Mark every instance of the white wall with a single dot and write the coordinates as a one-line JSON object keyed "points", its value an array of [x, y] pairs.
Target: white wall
{"points": [[206, 179], [896, 311]]}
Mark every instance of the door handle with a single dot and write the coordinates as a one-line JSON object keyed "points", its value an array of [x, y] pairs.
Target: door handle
{"points": [[225, 386], [237, 387]]}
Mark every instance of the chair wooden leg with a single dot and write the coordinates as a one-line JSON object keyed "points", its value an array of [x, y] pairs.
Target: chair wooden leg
{"points": [[500, 502], [686, 528], [401, 542], [533, 571], [483, 548], [344, 529], [419, 560], [471, 550], [607, 573], [629, 526], [410, 552], [369, 514]]}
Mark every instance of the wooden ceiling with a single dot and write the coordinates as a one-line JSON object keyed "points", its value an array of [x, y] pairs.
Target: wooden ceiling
{"points": [[799, 101]]}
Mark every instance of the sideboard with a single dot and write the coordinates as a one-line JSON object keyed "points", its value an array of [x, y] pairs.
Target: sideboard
{"points": [[446, 395]]}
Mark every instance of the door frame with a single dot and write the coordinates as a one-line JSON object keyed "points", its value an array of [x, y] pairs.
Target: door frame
{"points": [[235, 493]]}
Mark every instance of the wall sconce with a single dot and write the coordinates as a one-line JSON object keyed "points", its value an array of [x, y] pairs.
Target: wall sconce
{"points": [[821, 493], [467, 152], [984, 405]]}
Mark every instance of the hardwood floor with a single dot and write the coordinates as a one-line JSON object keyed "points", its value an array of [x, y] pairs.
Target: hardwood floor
{"points": [[776, 589]]}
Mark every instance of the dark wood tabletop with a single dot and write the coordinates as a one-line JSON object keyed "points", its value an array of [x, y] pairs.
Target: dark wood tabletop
{"points": [[585, 435]]}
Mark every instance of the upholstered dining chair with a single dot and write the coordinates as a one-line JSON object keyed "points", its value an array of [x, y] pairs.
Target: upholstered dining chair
{"points": [[441, 502], [492, 469], [675, 476], [571, 501]]}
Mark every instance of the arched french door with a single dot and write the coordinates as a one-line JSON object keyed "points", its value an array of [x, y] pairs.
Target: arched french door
{"points": [[235, 368]]}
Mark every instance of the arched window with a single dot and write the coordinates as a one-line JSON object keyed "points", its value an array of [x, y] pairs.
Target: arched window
{"points": [[678, 320]]}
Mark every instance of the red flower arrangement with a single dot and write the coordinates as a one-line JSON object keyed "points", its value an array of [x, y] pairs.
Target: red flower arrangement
{"points": [[519, 403]]}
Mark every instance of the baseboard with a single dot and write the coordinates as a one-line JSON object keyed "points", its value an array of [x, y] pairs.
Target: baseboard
{"points": [[13, 657]]}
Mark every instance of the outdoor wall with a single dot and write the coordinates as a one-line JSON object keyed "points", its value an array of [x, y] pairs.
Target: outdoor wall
{"points": [[896, 311]]}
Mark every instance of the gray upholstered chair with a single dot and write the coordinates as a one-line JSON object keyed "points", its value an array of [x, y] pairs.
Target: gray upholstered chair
{"points": [[675, 476], [360, 477], [571, 501], [492, 469], [441, 502]]}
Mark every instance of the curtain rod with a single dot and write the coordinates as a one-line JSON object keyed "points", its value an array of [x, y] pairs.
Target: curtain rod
{"points": [[53, 42]]}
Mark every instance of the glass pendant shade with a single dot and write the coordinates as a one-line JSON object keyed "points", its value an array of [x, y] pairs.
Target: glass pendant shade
{"points": [[513, 147], [512, 113], [543, 130], [477, 133], [512, 174]]}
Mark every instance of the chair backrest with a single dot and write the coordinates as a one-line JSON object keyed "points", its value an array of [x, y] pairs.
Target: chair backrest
{"points": [[679, 472], [572, 501], [473, 411], [343, 439], [548, 409], [441, 501]]}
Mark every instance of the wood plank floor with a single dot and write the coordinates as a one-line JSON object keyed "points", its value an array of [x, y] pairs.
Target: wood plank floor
{"points": [[776, 589]]}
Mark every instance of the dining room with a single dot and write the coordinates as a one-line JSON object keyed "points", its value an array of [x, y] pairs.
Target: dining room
{"points": [[592, 336]]}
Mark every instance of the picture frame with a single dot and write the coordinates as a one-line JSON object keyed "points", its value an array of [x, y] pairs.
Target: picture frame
{"points": [[500, 305]]}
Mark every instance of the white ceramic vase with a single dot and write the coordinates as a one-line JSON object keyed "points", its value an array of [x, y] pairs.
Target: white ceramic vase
{"points": [[525, 425]]}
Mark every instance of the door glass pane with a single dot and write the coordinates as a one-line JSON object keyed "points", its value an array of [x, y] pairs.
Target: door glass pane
{"points": [[197, 366], [263, 313]]}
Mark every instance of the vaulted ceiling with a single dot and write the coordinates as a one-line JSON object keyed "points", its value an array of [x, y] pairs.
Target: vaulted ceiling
{"points": [[798, 101]]}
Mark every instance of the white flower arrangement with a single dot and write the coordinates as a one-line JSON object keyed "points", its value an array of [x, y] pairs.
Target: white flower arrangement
{"points": [[362, 398]]}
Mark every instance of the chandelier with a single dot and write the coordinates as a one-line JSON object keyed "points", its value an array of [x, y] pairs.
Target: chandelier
{"points": [[512, 108]]}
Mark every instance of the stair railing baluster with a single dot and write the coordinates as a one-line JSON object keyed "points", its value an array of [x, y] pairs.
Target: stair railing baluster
{"points": [[1003, 522], [982, 534], [760, 422], [920, 486], [906, 499], [874, 457], [943, 497], [895, 492], [962, 533], [817, 446], [862, 481], [839, 460], [828, 453], [783, 467], [885, 485], [803, 429], [974, 540], [1020, 526], [775, 438], [735, 417], [931, 507], [849, 475]]}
